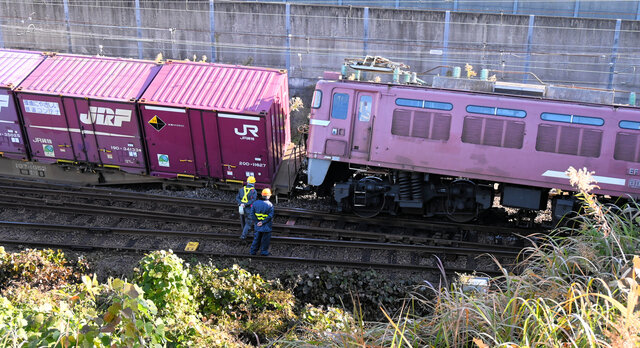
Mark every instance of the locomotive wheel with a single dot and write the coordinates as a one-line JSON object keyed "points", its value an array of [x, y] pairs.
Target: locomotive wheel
{"points": [[460, 205], [378, 197]]}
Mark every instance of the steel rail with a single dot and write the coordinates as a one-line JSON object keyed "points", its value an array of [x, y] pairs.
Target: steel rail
{"points": [[90, 209], [288, 240], [90, 192]]}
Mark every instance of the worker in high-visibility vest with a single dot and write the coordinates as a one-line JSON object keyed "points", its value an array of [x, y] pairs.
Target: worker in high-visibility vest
{"points": [[263, 214], [247, 195]]}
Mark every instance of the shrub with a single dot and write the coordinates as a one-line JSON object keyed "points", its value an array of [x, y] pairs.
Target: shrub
{"points": [[125, 318], [42, 269], [235, 295], [166, 281], [339, 287]]}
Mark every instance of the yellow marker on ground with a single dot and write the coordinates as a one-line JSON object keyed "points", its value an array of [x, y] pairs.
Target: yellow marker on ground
{"points": [[191, 246]]}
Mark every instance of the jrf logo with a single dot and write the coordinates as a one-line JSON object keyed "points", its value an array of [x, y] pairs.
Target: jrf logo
{"points": [[247, 128], [106, 116]]}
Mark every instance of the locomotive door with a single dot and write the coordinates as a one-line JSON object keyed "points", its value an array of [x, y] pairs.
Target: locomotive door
{"points": [[362, 124], [337, 143]]}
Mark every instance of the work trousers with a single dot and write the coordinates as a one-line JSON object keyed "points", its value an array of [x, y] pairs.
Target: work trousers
{"points": [[247, 223], [261, 240]]}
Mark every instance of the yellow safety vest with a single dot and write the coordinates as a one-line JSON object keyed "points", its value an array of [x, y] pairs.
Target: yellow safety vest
{"points": [[245, 198]]}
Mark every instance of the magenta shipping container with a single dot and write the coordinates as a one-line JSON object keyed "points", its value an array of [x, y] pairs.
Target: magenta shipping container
{"points": [[82, 109], [15, 66], [219, 121]]}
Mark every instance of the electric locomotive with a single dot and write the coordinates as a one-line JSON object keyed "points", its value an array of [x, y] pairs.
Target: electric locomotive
{"points": [[450, 148]]}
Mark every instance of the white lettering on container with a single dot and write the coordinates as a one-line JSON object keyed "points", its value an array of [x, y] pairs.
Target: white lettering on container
{"points": [[105, 116]]}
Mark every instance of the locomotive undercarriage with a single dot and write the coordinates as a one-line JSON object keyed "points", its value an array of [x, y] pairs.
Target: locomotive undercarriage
{"points": [[459, 199]]}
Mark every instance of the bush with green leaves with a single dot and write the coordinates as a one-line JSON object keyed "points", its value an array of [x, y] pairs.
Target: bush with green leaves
{"points": [[233, 294], [167, 282], [62, 319], [367, 289]]}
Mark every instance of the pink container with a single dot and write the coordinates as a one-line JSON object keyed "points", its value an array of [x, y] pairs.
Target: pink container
{"points": [[82, 109], [220, 121], [15, 66]]}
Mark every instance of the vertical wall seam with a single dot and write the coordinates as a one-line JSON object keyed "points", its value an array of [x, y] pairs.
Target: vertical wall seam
{"points": [[1, 36], [365, 39], [614, 53], [288, 27], [515, 6], [212, 30], [397, 4], [67, 24], [529, 43], [455, 5], [139, 29], [445, 40], [638, 12], [576, 9]]}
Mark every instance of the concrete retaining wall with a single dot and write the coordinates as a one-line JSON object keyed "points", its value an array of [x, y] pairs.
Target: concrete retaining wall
{"points": [[309, 39]]}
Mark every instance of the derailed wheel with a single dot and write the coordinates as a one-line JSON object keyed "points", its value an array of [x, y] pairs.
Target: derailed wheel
{"points": [[461, 205], [368, 197]]}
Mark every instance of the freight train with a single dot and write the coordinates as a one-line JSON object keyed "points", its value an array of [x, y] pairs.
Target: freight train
{"points": [[95, 120], [447, 149]]}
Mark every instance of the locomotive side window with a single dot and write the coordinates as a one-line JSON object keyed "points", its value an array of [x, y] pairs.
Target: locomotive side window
{"points": [[317, 99], [340, 107], [575, 119], [629, 125], [424, 104], [487, 110], [414, 103], [364, 110], [569, 140]]}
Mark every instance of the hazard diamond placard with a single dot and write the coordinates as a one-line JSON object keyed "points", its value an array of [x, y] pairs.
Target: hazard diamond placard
{"points": [[157, 123]]}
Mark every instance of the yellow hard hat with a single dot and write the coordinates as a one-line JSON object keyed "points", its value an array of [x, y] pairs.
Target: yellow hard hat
{"points": [[266, 192], [251, 180]]}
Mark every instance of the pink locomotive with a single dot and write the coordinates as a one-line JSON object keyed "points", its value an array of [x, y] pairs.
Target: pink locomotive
{"points": [[444, 151]]}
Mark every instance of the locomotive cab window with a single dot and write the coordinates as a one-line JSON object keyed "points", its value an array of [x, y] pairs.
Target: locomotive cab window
{"points": [[317, 99], [364, 109], [340, 106]]}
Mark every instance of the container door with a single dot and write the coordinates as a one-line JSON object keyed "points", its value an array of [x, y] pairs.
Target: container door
{"points": [[111, 132], [245, 146], [362, 124], [168, 137], [11, 142], [337, 143], [212, 144], [46, 128]]}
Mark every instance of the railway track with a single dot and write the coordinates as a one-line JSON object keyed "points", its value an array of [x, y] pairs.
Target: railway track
{"points": [[299, 237]]}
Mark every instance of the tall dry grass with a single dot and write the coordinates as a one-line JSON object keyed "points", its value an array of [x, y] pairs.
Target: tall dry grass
{"points": [[575, 291]]}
